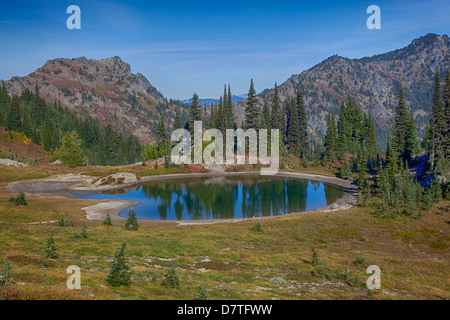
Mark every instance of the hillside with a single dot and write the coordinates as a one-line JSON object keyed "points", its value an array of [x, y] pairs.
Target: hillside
{"points": [[105, 89], [372, 81]]}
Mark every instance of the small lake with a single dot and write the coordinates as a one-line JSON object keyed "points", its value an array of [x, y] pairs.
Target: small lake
{"points": [[224, 197]]}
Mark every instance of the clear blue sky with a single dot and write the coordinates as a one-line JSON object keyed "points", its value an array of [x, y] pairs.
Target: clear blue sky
{"points": [[197, 46]]}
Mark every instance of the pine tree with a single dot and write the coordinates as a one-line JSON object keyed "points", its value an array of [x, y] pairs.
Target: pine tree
{"points": [[15, 115], [303, 123], [132, 221], [50, 248], [372, 148], [70, 151], [276, 122], [446, 97], [195, 112], [177, 121], [293, 128], [251, 109], [120, 273], [107, 222], [229, 110], [331, 138], [5, 275], [161, 134], [266, 117], [171, 279], [404, 139]]}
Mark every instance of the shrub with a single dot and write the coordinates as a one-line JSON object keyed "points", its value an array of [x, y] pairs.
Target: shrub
{"points": [[257, 227], [19, 200]]}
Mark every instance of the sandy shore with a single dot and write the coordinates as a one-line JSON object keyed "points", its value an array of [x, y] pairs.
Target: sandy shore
{"points": [[64, 185]]}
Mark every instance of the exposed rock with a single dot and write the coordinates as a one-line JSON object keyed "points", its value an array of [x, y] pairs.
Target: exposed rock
{"points": [[279, 280], [8, 162]]}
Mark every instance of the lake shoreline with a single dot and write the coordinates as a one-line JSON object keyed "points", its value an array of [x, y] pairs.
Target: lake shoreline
{"points": [[66, 185]]}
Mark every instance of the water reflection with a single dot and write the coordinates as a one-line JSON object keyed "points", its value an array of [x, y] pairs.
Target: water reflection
{"points": [[225, 197]]}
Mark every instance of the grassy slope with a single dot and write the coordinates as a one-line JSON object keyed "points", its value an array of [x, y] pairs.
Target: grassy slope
{"points": [[234, 261]]}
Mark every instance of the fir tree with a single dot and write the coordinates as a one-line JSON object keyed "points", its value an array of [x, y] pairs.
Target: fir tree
{"points": [[276, 122], [177, 121], [70, 151], [303, 122], [5, 275], [251, 109], [120, 273], [107, 222], [50, 248], [331, 138], [171, 279], [293, 128], [404, 139], [132, 221], [195, 112], [161, 134]]}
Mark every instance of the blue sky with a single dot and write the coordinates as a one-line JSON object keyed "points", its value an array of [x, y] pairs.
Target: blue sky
{"points": [[197, 46]]}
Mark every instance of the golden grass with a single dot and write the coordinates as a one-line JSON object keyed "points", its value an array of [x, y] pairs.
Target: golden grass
{"points": [[234, 261]]}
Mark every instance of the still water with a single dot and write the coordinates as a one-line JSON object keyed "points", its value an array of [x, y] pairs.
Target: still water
{"points": [[224, 197]]}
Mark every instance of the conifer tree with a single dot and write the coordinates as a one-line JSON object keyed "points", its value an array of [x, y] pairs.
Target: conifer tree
{"points": [[229, 110], [195, 112], [107, 222], [177, 121], [404, 139], [14, 115], [5, 275], [132, 221], [331, 138], [251, 109], [120, 272], [50, 248], [276, 122], [303, 122], [294, 132], [266, 117], [161, 134], [446, 97], [372, 148]]}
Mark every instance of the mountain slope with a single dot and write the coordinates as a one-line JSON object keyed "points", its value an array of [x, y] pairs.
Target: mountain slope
{"points": [[105, 89], [372, 81]]}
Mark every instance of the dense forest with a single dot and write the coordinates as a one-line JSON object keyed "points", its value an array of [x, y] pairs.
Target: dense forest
{"points": [[50, 125]]}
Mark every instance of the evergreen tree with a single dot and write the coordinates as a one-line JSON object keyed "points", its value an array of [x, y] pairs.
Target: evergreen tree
{"points": [[107, 222], [120, 272], [161, 134], [50, 248], [303, 123], [331, 138], [276, 121], [229, 110], [266, 117], [446, 97], [15, 115], [403, 132], [195, 112], [171, 279], [132, 221], [5, 275], [251, 109], [177, 121], [372, 148], [70, 151], [293, 128]]}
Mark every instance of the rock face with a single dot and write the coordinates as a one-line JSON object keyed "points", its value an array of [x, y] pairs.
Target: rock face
{"points": [[372, 81], [105, 89]]}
